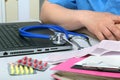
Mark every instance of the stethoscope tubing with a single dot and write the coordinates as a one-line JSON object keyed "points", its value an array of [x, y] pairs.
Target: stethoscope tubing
{"points": [[24, 31]]}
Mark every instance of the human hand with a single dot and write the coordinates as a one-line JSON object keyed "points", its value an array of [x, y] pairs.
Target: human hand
{"points": [[102, 25]]}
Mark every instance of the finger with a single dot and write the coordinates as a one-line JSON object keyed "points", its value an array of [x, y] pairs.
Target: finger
{"points": [[115, 31], [100, 36], [108, 34], [118, 25], [116, 19]]}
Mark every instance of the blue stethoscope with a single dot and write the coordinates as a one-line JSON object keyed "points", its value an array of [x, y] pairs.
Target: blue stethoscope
{"points": [[57, 38]]}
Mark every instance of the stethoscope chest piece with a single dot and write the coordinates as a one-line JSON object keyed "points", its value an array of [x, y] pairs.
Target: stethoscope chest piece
{"points": [[58, 38]]}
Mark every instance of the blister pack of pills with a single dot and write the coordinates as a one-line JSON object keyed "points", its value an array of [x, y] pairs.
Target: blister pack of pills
{"points": [[15, 69], [34, 63]]}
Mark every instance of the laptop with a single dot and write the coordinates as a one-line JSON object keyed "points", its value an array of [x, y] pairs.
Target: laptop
{"points": [[11, 43]]}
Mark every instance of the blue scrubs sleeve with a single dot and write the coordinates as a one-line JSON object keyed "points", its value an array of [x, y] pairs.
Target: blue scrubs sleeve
{"points": [[71, 4], [112, 6]]}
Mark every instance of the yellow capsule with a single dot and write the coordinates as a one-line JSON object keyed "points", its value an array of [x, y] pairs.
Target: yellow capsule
{"points": [[17, 71], [12, 70], [26, 69], [31, 70], [21, 69]]}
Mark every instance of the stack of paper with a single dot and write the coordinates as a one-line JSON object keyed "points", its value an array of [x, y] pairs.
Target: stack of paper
{"points": [[65, 72]]}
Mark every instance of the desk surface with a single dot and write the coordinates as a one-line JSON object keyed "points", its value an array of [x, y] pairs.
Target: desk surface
{"points": [[46, 75]]}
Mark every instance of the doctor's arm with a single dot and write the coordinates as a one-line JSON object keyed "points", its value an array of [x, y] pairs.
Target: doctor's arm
{"points": [[55, 14], [102, 25]]}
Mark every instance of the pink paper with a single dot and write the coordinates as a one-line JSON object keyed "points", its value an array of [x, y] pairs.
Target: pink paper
{"points": [[66, 66]]}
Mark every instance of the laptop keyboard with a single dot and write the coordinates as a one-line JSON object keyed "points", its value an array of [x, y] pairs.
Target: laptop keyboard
{"points": [[9, 36], [11, 43]]}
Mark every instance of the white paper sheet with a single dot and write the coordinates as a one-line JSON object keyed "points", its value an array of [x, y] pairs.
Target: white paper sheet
{"points": [[105, 47], [101, 61]]}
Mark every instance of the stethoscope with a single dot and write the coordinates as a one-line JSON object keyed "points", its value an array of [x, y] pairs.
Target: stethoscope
{"points": [[57, 38]]}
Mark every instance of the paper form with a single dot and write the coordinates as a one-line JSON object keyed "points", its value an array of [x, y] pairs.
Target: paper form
{"points": [[105, 47]]}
